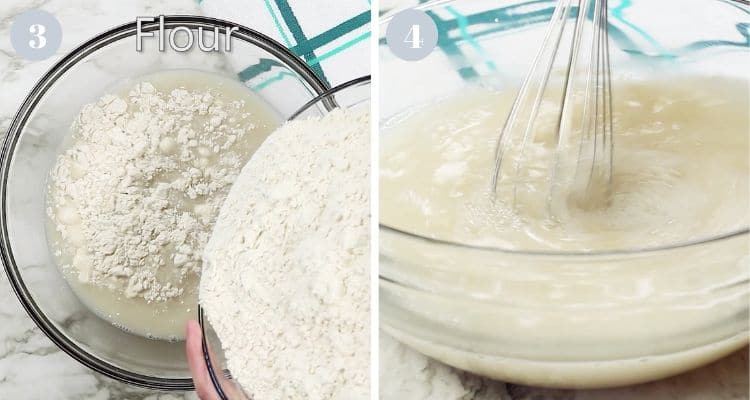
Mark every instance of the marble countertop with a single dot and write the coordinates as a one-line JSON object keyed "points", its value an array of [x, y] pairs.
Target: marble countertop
{"points": [[31, 367]]}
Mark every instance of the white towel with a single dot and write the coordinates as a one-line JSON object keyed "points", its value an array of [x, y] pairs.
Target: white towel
{"points": [[331, 36]]}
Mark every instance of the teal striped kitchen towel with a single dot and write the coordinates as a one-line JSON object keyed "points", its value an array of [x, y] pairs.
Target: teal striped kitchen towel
{"points": [[331, 36]]}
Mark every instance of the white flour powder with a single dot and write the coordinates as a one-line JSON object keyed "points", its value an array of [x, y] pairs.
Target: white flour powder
{"points": [[134, 196], [285, 281]]}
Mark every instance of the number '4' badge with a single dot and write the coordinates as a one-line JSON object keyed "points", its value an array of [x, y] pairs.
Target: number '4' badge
{"points": [[411, 35]]}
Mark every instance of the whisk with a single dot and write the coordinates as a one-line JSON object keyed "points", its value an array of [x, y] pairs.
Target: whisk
{"points": [[591, 173]]}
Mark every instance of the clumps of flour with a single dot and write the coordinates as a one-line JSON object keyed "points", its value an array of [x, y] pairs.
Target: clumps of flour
{"points": [[135, 194], [285, 282]]}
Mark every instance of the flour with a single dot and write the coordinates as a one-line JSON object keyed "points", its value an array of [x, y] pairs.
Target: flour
{"points": [[285, 281], [135, 194]]}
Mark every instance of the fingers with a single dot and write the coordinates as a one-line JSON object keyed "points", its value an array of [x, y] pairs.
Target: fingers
{"points": [[203, 385], [197, 364]]}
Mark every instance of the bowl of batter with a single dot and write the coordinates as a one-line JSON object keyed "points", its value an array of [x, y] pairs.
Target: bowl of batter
{"points": [[114, 169], [649, 284]]}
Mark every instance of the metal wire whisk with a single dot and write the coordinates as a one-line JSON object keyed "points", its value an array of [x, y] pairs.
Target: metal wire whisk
{"points": [[591, 172]]}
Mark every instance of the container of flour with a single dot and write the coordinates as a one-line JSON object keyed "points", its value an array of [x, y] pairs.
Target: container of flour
{"points": [[38, 135], [311, 370]]}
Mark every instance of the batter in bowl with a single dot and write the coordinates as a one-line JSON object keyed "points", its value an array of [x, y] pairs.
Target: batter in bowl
{"points": [[680, 176], [135, 191], [670, 185]]}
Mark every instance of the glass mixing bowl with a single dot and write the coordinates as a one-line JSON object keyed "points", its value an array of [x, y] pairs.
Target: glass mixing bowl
{"points": [[31, 147], [354, 94], [431, 288]]}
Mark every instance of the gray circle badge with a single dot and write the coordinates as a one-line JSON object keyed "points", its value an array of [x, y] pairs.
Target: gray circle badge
{"points": [[36, 34], [411, 35]]}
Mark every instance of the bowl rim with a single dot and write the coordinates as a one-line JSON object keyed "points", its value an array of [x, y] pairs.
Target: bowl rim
{"points": [[17, 126], [329, 103], [744, 230], [646, 250]]}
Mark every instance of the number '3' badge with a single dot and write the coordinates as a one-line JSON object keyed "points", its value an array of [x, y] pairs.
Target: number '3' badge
{"points": [[35, 35]]}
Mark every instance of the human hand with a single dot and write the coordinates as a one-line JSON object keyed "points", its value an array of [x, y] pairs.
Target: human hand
{"points": [[201, 379], [194, 349]]}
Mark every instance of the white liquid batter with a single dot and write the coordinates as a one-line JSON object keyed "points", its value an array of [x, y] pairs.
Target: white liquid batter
{"points": [[115, 297], [681, 175], [669, 184]]}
